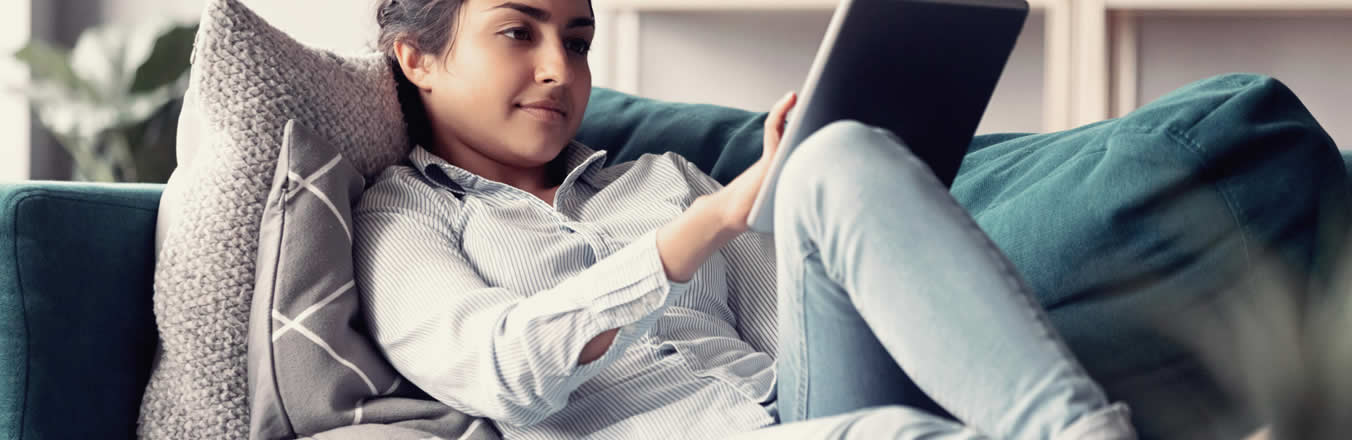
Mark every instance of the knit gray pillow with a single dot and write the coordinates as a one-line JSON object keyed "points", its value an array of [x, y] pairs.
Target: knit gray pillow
{"points": [[312, 369], [249, 79]]}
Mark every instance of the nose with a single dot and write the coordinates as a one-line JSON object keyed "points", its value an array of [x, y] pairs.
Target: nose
{"points": [[551, 66]]}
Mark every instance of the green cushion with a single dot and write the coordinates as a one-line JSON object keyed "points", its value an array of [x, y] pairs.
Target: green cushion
{"points": [[1120, 225], [76, 328], [1114, 225], [721, 140]]}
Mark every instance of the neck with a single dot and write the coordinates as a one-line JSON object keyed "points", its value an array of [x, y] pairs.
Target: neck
{"points": [[530, 179]]}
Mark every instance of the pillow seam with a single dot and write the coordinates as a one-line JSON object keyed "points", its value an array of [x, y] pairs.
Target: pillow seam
{"points": [[282, 199], [1191, 146]]}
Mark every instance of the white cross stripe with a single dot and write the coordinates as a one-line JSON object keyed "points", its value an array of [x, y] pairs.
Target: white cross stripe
{"points": [[324, 345], [394, 386], [304, 183], [357, 413], [310, 310], [320, 172], [473, 426]]}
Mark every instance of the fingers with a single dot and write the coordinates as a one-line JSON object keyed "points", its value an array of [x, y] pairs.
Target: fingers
{"points": [[774, 123], [782, 107]]}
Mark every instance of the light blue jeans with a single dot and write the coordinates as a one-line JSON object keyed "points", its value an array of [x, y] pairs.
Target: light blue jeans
{"points": [[886, 284]]}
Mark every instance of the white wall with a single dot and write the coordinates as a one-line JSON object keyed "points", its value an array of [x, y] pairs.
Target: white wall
{"points": [[15, 26], [1312, 55], [744, 60], [135, 11], [344, 26], [749, 59]]}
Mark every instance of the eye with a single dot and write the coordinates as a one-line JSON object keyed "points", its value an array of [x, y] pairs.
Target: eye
{"points": [[520, 34], [578, 46]]}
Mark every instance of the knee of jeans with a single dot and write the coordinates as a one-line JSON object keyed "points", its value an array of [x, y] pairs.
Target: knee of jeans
{"points": [[822, 149], [844, 154]]}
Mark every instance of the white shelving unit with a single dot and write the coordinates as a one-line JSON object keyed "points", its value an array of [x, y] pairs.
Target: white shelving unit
{"points": [[1107, 33], [1091, 48], [619, 60]]}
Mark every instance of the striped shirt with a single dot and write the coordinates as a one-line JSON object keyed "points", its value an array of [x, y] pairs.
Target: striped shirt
{"points": [[483, 295]]}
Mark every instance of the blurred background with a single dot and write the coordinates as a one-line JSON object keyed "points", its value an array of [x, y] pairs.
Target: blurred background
{"points": [[1078, 61]]}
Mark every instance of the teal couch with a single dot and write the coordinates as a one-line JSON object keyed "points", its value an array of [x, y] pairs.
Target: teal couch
{"points": [[1117, 226]]}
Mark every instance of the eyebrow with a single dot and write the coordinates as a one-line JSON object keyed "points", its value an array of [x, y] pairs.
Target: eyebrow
{"points": [[543, 15]]}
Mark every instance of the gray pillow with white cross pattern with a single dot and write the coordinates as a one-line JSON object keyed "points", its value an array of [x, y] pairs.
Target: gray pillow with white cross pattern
{"points": [[312, 370]]}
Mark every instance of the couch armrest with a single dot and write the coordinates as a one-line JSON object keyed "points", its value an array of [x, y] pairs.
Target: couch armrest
{"points": [[77, 331]]}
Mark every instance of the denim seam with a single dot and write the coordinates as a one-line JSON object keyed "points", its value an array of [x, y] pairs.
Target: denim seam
{"points": [[1012, 280], [802, 387], [1006, 268]]}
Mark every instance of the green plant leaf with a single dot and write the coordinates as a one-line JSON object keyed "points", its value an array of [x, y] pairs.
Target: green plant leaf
{"points": [[78, 121], [154, 141], [118, 152], [168, 60], [101, 99], [100, 59], [49, 63]]}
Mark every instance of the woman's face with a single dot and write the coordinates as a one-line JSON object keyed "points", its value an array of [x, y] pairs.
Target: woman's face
{"points": [[515, 82]]}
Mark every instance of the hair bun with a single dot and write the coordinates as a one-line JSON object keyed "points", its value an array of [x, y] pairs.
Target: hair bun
{"points": [[387, 9]]}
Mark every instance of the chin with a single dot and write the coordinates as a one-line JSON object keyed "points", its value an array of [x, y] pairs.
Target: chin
{"points": [[540, 151]]}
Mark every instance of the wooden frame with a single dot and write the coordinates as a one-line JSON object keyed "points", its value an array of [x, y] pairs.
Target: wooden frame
{"points": [[618, 53], [15, 29], [1092, 46], [740, 5], [1107, 33], [1057, 76], [1230, 5]]}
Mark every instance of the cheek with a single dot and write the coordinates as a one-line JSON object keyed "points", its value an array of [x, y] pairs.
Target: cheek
{"points": [[582, 83], [490, 71]]}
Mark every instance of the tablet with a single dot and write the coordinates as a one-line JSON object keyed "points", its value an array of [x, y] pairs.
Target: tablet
{"points": [[923, 69]]}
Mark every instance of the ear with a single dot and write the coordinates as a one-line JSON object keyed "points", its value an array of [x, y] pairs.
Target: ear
{"points": [[414, 65]]}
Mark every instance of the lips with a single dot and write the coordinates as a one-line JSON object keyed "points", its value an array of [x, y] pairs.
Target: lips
{"points": [[548, 110]]}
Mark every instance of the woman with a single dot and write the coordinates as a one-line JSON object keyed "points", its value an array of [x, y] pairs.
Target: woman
{"points": [[510, 274]]}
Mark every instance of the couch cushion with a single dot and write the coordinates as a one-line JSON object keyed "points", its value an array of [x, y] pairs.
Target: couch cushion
{"points": [[1116, 226], [719, 140], [76, 330], [1130, 227]]}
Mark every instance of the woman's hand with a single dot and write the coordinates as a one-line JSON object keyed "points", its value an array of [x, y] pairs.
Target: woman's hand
{"points": [[714, 220], [735, 200]]}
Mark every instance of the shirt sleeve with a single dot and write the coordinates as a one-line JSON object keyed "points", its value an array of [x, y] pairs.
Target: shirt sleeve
{"points": [[752, 286], [488, 351]]}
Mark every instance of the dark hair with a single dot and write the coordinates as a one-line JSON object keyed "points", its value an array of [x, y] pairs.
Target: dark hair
{"points": [[426, 26]]}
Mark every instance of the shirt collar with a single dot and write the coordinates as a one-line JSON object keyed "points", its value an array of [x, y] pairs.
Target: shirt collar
{"points": [[581, 161]]}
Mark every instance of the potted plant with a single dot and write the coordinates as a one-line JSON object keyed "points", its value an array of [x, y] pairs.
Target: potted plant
{"points": [[113, 100]]}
